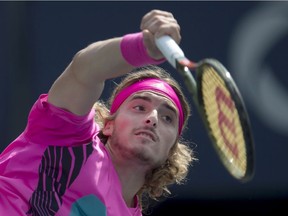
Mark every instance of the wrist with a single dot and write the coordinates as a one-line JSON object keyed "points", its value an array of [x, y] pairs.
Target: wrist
{"points": [[134, 52]]}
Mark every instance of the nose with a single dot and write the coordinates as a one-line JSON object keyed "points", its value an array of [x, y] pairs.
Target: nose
{"points": [[152, 118]]}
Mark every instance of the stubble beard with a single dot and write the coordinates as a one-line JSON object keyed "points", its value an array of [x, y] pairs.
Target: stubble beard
{"points": [[130, 152]]}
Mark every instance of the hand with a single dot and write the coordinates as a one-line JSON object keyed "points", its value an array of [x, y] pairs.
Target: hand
{"points": [[157, 23]]}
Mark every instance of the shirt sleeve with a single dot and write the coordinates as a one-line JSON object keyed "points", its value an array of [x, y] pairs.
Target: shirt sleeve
{"points": [[51, 125]]}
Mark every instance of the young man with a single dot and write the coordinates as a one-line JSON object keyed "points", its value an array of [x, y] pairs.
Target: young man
{"points": [[77, 157]]}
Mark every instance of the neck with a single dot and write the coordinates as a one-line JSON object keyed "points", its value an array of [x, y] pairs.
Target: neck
{"points": [[131, 175]]}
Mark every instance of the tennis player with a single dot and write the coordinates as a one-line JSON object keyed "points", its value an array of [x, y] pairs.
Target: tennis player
{"points": [[81, 156]]}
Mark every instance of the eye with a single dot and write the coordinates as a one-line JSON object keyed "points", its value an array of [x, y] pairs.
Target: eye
{"points": [[167, 118], [139, 107]]}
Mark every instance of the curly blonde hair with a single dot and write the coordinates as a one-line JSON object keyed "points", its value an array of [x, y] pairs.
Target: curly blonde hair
{"points": [[181, 155]]}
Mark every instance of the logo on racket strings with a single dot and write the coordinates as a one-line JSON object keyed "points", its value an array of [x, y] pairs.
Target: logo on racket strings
{"points": [[226, 121]]}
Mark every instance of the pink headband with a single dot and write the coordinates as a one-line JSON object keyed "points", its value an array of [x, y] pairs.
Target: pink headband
{"points": [[152, 84]]}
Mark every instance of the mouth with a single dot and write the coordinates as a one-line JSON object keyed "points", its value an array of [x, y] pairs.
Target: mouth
{"points": [[147, 134]]}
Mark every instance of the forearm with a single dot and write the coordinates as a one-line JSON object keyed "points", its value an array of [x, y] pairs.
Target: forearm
{"points": [[100, 61], [82, 82]]}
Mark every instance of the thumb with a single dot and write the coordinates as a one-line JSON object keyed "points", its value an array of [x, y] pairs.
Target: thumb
{"points": [[148, 39], [149, 43]]}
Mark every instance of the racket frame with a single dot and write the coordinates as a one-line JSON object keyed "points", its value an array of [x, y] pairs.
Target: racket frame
{"points": [[241, 110], [175, 56]]}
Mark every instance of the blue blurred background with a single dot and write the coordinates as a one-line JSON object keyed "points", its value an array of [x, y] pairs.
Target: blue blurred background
{"points": [[38, 40]]}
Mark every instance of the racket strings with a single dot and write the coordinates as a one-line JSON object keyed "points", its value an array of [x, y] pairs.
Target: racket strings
{"points": [[224, 122]]}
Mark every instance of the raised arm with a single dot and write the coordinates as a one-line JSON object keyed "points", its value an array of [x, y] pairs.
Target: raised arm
{"points": [[82, 82]]}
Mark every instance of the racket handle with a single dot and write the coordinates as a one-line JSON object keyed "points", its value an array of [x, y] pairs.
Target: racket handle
{"points": [[169, 49]]}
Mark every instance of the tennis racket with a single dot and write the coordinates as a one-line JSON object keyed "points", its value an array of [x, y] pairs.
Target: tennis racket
{"points": [[220, 105]]}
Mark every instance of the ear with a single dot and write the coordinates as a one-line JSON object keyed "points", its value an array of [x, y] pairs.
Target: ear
{"points": [[108, 128]]}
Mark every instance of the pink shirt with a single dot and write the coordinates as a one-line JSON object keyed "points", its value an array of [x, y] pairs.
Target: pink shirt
{"points": [[58, 166]]}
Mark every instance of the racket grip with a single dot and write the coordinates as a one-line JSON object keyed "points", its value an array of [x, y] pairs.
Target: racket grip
{"points": [[169, 49]]}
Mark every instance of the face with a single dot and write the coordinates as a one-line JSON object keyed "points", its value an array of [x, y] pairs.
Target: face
{"points": [[145, 128]]}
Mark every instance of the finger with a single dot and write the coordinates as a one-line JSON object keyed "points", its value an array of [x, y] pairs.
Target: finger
{"points": [[154, 13], [154, 23], [171, 30], [164, 26], [160, 23], [150, 45], [148, 39]]}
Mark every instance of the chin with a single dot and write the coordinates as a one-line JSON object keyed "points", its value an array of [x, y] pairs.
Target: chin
{"points": [[145, 156]]}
